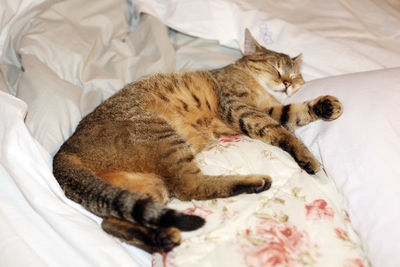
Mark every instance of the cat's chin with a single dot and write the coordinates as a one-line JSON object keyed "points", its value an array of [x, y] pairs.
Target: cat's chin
{"points": [[291, 91], [279, 94], [282, 94]]}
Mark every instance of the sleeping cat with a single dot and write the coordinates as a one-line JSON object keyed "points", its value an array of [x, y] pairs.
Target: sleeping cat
{"points": [[136, 150]]}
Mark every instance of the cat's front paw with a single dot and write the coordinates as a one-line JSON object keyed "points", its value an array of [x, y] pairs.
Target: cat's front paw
{"points": [[252, 184], [311, 165], [300, 154], [327, 107]]}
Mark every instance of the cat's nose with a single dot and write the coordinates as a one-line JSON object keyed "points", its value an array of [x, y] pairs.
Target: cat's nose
{"points": [[287, 84]]}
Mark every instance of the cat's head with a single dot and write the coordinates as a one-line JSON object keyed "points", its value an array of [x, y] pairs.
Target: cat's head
{"points": [[276, 72]]}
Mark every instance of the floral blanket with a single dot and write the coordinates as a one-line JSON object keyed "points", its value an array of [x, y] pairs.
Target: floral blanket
{"points": [[300, 221]]}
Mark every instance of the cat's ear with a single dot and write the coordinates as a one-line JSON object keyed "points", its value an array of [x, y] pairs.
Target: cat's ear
{"points": [[250, 44], [298, 59]]}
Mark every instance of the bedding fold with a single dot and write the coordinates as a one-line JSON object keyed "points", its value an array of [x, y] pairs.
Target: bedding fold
{"points": [[335, 37]]}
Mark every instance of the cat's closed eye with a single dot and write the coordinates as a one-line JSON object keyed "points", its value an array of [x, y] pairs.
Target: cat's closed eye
{"points": [[277, 71]]}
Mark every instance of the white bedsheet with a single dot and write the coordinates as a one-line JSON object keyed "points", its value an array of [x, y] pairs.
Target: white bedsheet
{"points": [[39, 226], [335, 37]]}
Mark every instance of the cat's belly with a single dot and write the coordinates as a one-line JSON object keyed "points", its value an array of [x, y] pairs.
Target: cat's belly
{"points": [[202, 133], [188, 103]]}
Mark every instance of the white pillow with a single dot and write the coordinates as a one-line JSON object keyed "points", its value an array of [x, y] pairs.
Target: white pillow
{"points": [[361, 153]]}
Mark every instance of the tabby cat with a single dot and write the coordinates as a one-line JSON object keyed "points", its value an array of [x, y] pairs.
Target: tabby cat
{"points": [[136, 150]]}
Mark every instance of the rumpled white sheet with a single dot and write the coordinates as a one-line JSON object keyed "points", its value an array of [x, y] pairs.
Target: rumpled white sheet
{"points": [[335, 37], [39, 226]]}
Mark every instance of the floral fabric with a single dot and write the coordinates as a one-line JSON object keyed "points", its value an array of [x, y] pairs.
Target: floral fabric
{"points": [[299, 221]]}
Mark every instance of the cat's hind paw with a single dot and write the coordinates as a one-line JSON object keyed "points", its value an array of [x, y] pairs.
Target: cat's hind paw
{"points": [[253, 184], [166, 239]]}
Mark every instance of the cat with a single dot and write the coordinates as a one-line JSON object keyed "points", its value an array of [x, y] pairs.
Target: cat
{"points": [[136, 150]]}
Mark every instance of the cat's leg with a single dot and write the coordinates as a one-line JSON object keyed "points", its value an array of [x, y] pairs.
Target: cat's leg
{"points": [[259, 125], [164, 163], [149, 184], [293, 116], [149, 239], [186, 181], [201, 187]]}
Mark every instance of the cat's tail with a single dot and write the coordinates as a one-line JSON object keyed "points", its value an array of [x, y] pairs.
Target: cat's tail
{"points": [[105, 200]]}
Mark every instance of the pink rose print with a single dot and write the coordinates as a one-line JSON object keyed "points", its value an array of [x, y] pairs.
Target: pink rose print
{"points": [[198, 210], [224, 139], [342, 234], [319, 210], [168, 258], [272, 244], [353, 263]]}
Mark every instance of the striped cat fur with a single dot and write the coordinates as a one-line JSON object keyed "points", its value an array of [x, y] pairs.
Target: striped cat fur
{"points": [[136, 150]]}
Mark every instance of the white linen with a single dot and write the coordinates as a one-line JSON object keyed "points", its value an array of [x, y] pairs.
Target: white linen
{"points": [[361, 152], [66, 76], [62, 81], [15, 15], [335, 37], [39, 226]]}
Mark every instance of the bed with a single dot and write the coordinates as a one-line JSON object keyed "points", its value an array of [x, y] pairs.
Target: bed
{"points": [[60, 59]]}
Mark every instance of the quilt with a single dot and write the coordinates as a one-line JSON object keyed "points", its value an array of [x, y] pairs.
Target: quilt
{"points": [[299, 221]]}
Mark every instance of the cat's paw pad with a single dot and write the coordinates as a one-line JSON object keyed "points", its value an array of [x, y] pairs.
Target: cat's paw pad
{"points": [[328, 108], [167, 238], [252, 185]]}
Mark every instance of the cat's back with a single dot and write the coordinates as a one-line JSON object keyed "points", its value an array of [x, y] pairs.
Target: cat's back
{"points": [[177, 92]]}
